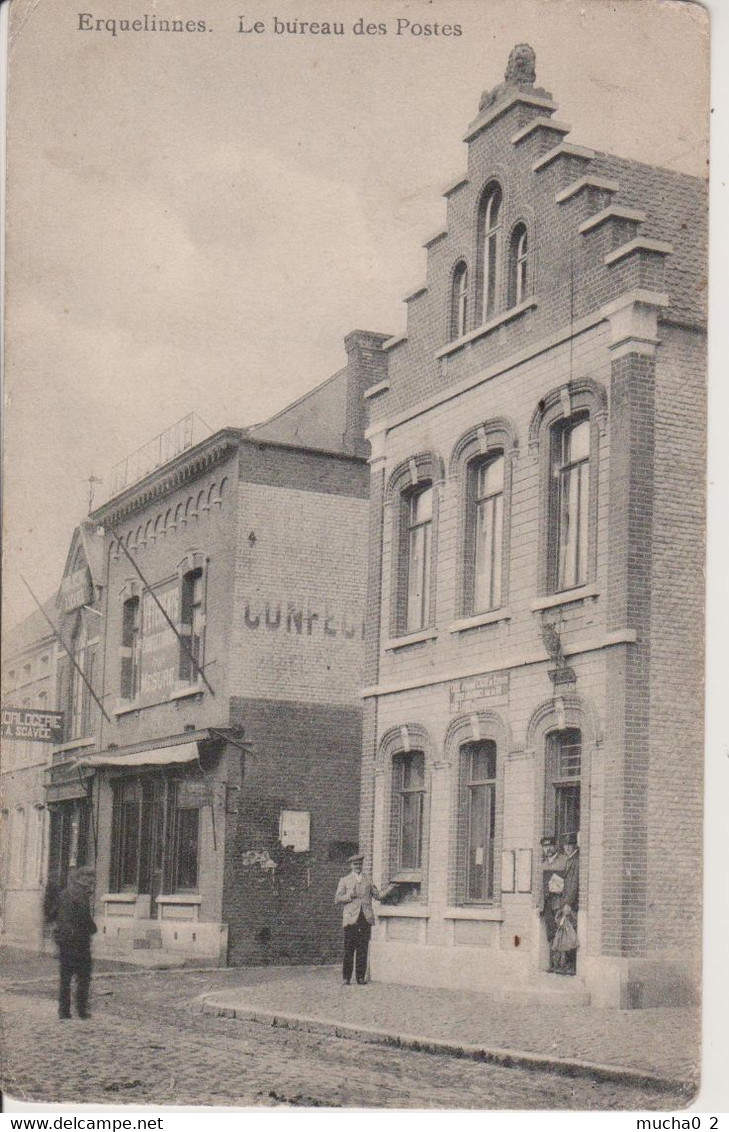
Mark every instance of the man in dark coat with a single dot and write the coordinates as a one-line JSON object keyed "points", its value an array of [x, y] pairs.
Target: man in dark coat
{"points": [[73, 932], [571, 893], [550, 897]]}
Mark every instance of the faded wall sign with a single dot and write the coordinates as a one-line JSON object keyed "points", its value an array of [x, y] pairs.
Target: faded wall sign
{"points": [[75, 590], [281, 616], [473, 692], [160, 647], [29, 724]]}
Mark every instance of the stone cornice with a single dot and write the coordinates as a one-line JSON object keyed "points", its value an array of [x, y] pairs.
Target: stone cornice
{"points": [[178, 471]]}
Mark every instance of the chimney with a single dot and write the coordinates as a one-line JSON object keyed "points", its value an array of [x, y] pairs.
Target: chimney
{"points": [[366, 366]]}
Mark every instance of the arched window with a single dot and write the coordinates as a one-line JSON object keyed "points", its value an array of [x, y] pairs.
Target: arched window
{"points": [[489, 248], [518, 265], [485, 533], [130, 648], [569, 502], [459, 302], [408, 811], [417, 557], [563, 782], [477, 818]]}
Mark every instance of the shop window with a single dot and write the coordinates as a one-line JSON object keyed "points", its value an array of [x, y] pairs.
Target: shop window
{"points": [[459, 302], [484, 534], [130, 649], [126, 835], [408, 810], [416, 563], [518, 265], [477, 820], [192, 625], [564, 773], [185, 854], [155, 837], [569, 502], [489, 249]]}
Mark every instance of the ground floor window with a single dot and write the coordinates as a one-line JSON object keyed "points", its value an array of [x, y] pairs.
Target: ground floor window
{"points": [[408, 806], [478, 818], [564, 776], [155, 837], [70, 841]]}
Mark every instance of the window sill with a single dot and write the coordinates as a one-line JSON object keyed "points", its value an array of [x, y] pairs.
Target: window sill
{"points": [[411, 639], [179, 898], [480, 331], [119, 898], [565, 597], [480, 912], [408, 911], [191, 690], [128, 706], [490, 618]]}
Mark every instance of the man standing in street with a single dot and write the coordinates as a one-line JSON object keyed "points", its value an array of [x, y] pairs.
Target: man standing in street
{"points": [[73, 932], [355, 893], [550, 897]]}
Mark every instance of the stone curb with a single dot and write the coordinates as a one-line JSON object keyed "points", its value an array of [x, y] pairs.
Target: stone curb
{"points": [[507, 1058]]}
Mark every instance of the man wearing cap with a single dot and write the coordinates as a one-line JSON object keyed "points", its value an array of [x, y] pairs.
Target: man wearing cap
{"points": [[550, 896], [74, 929], [355, 893], [571, 893]]}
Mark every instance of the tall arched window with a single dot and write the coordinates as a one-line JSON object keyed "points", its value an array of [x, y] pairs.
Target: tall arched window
{"points": [[490, 250], [518, 265], [563, 782], [569, 504], [485, 533], [459, 302]]}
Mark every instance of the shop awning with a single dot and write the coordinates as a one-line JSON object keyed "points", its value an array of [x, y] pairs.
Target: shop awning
{"points": [[158, 756]]}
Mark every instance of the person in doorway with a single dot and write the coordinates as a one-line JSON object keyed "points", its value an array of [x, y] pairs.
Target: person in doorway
{"points": [[550, 900], [74, 929], [355, 894], [570, 900]]}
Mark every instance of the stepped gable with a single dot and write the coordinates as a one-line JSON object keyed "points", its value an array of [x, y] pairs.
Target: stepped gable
{"points": [[675, 206]]}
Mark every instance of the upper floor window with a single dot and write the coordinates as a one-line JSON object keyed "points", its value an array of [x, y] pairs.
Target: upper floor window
{"points": [[489, 228], [192, 624], [485, 533], [27, 672], [83, 676], [569, 502], [518, 265], [459, 302], [419, 504], [478, 817], [408, 810], [130, 648]]}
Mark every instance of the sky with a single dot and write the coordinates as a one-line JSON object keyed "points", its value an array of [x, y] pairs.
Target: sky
{"points": [[195, 221]]}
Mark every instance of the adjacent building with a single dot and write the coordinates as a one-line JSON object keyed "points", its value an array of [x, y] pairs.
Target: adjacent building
{"points": [[220, 776], [534, 658], [29, 656]]}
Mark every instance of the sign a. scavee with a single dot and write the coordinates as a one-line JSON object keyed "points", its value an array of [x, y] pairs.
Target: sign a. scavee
{"points": [[37, 726]]}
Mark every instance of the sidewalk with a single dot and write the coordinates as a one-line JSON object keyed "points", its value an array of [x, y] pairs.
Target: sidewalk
{"points": [[662, 1044]]}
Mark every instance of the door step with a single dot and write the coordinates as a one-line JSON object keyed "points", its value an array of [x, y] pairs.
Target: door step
{"points": [[544, 989]]}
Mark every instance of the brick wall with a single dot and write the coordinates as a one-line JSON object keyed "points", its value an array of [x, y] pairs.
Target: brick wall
{"points": [[675, 768], [299, 594], [306, 757]]}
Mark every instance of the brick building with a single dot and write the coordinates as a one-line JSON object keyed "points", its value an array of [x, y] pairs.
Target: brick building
{"points": [[223, 781], [534, 662]]}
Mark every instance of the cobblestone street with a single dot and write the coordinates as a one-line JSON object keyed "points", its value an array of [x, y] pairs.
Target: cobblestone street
{"points": [[148, 1044]]}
